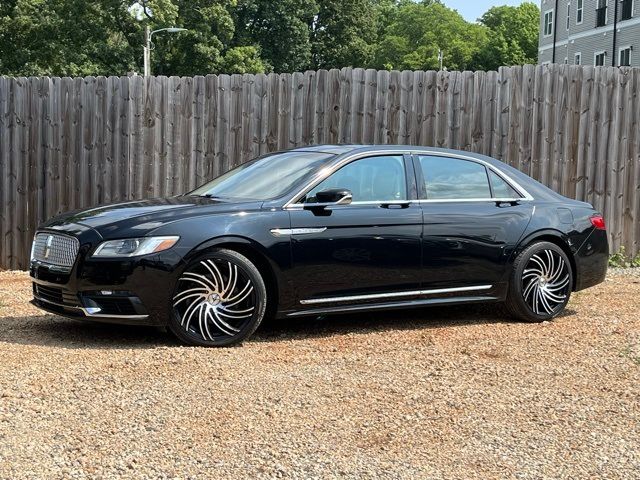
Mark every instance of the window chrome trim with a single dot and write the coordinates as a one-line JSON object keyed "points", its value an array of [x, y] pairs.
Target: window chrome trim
{"points": [[510, 181], [325, 173], [372, 296], [472, 200]]}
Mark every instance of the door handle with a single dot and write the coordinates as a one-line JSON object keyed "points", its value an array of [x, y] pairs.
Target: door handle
{"points": [[395, 204]]}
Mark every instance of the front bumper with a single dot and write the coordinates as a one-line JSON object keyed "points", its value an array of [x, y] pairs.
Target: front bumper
{"points": [[127, 291]]}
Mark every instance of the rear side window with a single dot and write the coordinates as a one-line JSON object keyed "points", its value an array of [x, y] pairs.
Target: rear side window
{"points": [[447, 178], [500, 188]]}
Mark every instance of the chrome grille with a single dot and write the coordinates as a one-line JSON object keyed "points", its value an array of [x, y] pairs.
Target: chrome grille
{"points": [[54, 249]]}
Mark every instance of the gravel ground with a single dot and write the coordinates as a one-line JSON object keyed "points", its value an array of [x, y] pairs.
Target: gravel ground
{"points": [[434, 393]]}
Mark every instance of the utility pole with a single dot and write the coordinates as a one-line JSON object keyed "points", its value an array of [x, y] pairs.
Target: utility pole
{"points": [[148, 45], [147, 51], [440, 57]]}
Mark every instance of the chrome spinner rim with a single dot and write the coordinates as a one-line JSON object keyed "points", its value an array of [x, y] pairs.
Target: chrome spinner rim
{"points": [[215, 299], [545, 282]]}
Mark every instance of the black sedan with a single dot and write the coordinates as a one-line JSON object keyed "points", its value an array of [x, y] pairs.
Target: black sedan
{"points": [[321, 230]]}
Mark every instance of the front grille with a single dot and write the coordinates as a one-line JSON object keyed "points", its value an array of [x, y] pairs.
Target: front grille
{"points": [[54, 249]]}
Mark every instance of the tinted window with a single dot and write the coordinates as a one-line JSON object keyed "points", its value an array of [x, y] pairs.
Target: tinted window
{"points": [[452, 178], [501, 189], [369, 179], [265, 178]]}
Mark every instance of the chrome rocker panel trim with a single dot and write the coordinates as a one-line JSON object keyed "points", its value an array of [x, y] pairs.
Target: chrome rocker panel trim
{"points": [[395, 305], [374, 296]]}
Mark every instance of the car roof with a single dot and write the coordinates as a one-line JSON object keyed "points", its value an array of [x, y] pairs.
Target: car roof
{"points": [[340, 149]]}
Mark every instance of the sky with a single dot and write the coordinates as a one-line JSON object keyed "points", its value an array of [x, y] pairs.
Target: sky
{"points": [[471, 10]]}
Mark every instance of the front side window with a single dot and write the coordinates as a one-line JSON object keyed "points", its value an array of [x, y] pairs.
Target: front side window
{"points": [[548, 23], [448, 178], [369, 179]]}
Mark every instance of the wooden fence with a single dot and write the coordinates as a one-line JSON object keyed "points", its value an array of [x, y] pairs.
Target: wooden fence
{"points": [[68, 143]]}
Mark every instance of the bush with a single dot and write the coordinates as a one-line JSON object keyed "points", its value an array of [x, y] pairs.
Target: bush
{"points": [[622, 260]]}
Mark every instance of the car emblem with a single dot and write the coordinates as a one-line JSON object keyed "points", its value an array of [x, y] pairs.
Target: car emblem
{"points": [[47, 247]]}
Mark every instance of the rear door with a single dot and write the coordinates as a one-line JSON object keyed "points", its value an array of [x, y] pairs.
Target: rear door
{"points": [[473, 218], [367, 249]]}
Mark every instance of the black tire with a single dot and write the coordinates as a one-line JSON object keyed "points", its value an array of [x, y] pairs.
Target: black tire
{"points": [[208, 288], [540, 284]]}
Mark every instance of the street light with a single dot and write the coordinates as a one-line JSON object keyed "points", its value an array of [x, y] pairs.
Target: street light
{"points": [[149, 45]]}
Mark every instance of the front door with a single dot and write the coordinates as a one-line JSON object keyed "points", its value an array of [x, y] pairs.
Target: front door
{"points": [[369, 250]]}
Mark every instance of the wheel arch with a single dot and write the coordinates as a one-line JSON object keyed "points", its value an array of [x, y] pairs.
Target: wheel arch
{"points": [[552, 236]]}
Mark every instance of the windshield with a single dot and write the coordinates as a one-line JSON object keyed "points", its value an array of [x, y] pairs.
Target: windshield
{"points": [[264, 178]]}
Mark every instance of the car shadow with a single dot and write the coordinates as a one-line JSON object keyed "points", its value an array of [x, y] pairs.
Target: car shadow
{"points": [[427, 318], [54, 331]]}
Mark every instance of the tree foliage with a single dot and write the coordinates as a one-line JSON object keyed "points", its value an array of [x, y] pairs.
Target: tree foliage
{"points": [[419, 31], [281, 29], [513, 36], [344, 33], [105, 37]]}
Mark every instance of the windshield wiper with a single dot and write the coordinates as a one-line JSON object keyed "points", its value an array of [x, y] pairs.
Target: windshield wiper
{"points": [[209, 195]]}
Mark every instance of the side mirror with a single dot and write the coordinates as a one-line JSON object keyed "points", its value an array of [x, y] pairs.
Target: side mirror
{"points": [[336, 196], [328, 198]]}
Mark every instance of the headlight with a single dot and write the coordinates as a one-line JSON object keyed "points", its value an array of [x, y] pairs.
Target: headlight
{"points": [[133, 247]]}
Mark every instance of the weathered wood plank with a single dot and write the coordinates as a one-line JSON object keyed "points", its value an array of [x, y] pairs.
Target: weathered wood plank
{"points": [[6, 170]]}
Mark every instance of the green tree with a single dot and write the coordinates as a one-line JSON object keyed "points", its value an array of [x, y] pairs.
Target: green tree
{"points": [[513, 36], [207, 45], [105, 37], [280, 28], [64, 37], [419, 30], [344, 33]]}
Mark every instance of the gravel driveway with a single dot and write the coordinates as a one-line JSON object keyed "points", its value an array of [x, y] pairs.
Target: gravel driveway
{"points": [[433, 393]]}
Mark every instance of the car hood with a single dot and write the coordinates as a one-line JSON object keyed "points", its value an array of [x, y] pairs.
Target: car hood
{"points": [[127, 219]]}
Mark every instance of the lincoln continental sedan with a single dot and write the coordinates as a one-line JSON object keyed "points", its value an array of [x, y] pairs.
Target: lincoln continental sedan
{"points": [[322, 230]]}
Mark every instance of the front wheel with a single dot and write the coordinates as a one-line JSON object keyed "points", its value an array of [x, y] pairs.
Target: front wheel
{"points": [[541, 283], [219, 300]]}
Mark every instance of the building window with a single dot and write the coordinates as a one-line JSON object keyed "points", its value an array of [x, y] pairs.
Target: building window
{"points": [[579, 8], [598, 59], [601, 13], [566, 60], [626, 9], [548, 23], [577, 58], [568, 15], [625, 57]]}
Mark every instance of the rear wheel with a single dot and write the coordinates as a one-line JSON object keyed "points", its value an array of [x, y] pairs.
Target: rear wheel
{"points": [[219, 300], [541, 283]]}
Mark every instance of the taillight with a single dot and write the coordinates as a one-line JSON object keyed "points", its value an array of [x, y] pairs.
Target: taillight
{"points": [[598, 222]]}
